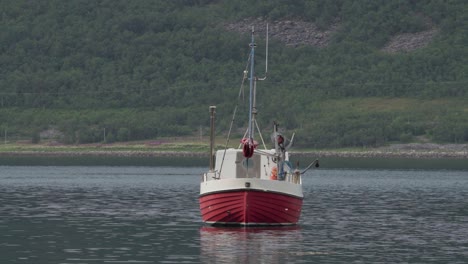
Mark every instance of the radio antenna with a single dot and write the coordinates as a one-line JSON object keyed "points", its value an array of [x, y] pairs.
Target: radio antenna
{"points": [[266, 55]]}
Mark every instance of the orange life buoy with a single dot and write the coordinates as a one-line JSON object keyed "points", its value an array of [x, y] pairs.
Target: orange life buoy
{"points": [[274, 173]]}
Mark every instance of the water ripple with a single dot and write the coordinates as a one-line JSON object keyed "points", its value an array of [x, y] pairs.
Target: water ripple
{"points": [[148, 215]]}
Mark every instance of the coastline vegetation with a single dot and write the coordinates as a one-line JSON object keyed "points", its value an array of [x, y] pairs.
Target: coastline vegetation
{"points": [[190, 147], [109, 148], [99, 72]]}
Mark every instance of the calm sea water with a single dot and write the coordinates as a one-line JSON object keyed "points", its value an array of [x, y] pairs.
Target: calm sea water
{"points": [[102, 214]]}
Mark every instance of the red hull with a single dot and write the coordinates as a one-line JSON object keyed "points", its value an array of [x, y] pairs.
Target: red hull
{"points": [[250, 207]]}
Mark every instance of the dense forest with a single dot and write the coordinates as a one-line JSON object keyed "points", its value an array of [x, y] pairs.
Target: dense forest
{"points": [[146, 69]]}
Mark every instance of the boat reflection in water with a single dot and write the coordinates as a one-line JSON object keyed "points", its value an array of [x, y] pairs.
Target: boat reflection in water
{"points": [[250, 244]]}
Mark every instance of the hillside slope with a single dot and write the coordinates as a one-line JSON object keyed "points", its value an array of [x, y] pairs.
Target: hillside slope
{"points": [[341, 73]]}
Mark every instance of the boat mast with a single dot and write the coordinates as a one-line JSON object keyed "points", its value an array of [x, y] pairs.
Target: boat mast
{"points": [[251, 90], [254, 106], [212, 137], [253, 83], [248, 143]]}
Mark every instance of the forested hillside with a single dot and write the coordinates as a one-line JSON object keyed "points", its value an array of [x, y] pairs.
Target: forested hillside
{"points": [[382, 71]]}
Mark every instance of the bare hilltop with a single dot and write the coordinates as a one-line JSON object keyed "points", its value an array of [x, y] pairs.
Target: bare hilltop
{"points": [[305, 33]]}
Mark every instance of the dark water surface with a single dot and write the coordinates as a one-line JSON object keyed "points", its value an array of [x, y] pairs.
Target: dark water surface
{"points": [[98, 214]]}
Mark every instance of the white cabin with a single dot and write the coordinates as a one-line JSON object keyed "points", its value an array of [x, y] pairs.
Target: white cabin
{"points": [[235, 165]]}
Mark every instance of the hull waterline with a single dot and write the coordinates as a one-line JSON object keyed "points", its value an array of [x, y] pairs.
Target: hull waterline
{"points": [[248, 207]]}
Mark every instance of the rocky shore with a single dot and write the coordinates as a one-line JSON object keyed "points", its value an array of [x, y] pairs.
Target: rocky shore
{"points": [[104, 153], [414, 150], [418, 151]]}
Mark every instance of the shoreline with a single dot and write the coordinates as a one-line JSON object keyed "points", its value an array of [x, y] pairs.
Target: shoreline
{"points": [[375, 153], [200, 150], [103, 153], [383, 154]]}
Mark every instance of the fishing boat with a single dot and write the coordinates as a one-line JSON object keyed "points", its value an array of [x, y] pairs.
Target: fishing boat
{"points": [[249, 186]]}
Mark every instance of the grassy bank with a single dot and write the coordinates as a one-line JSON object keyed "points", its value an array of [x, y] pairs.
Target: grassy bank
{"points": [[143, 148], [200, 148]]}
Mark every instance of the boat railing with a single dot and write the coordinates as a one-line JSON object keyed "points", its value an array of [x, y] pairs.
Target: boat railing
{"points": [[211, 175], [294, 177]]}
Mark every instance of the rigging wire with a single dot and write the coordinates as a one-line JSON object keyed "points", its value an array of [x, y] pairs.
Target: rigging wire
{"points": [[241, 92]]}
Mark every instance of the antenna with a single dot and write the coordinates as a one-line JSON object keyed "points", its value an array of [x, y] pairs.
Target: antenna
{"points": [[266, 59], [266, 56]]}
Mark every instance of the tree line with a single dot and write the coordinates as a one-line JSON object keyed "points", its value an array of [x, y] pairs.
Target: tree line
{"points": [[146, 69]]}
